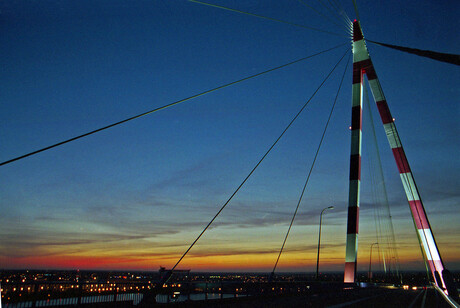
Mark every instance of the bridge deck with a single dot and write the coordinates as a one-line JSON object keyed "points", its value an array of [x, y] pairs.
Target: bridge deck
{"points": [[355, 298]]}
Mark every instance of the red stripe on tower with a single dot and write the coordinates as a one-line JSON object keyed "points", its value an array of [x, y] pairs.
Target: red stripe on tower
{"points": [[370, 71], [431, 265], [356, 117], [365, 65], [350, 270], [353, 220], [384, 112], [418, 213], [355, 167], [357, 73], [401, 160], [357, 33]]}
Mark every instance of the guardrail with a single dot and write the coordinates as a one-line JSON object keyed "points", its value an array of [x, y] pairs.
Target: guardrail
{"points": [[453, 303]]}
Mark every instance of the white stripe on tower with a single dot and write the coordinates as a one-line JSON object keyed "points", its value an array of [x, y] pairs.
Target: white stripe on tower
{"points": [[418, 212]]}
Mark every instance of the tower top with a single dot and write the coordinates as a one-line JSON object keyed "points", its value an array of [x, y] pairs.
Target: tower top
{"points": [[357, 32]]}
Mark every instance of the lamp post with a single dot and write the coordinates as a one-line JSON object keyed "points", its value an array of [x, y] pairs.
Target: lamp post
{"points": [[319, 239], [370, 261]]}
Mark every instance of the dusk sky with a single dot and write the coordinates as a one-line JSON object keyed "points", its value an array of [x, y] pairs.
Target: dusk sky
{"points": [[136, 196]]}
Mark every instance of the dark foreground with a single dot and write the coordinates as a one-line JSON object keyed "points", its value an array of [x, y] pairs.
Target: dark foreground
{"points": [[354, 298], [361, 297]]}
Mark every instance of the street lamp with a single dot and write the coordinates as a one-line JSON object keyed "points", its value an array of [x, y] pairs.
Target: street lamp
{"points": [[370, 261], [319, 238]]}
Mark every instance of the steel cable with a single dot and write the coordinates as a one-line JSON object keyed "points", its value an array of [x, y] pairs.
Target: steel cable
{"points": [[256, 166], [167, 106], [311, 169]]}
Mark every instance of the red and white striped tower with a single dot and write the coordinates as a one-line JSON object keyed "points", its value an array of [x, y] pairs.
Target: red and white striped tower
{"points": [[362, 64], [359, 55]]}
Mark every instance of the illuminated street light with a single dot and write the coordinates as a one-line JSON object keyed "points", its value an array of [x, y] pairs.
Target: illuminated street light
{"points": [[319, 239]]}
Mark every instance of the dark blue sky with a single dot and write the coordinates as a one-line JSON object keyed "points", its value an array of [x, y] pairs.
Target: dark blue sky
{"points": [[143, 190]]}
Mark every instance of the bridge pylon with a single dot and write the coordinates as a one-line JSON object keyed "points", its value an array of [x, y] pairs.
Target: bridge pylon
{"points": [[362, 64]]}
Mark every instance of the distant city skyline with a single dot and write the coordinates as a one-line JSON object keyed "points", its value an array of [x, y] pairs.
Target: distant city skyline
{"points": [[135, 197]]}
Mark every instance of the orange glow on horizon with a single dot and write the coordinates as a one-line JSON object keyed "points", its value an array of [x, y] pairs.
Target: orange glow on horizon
{"points": [[297, 261]]}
